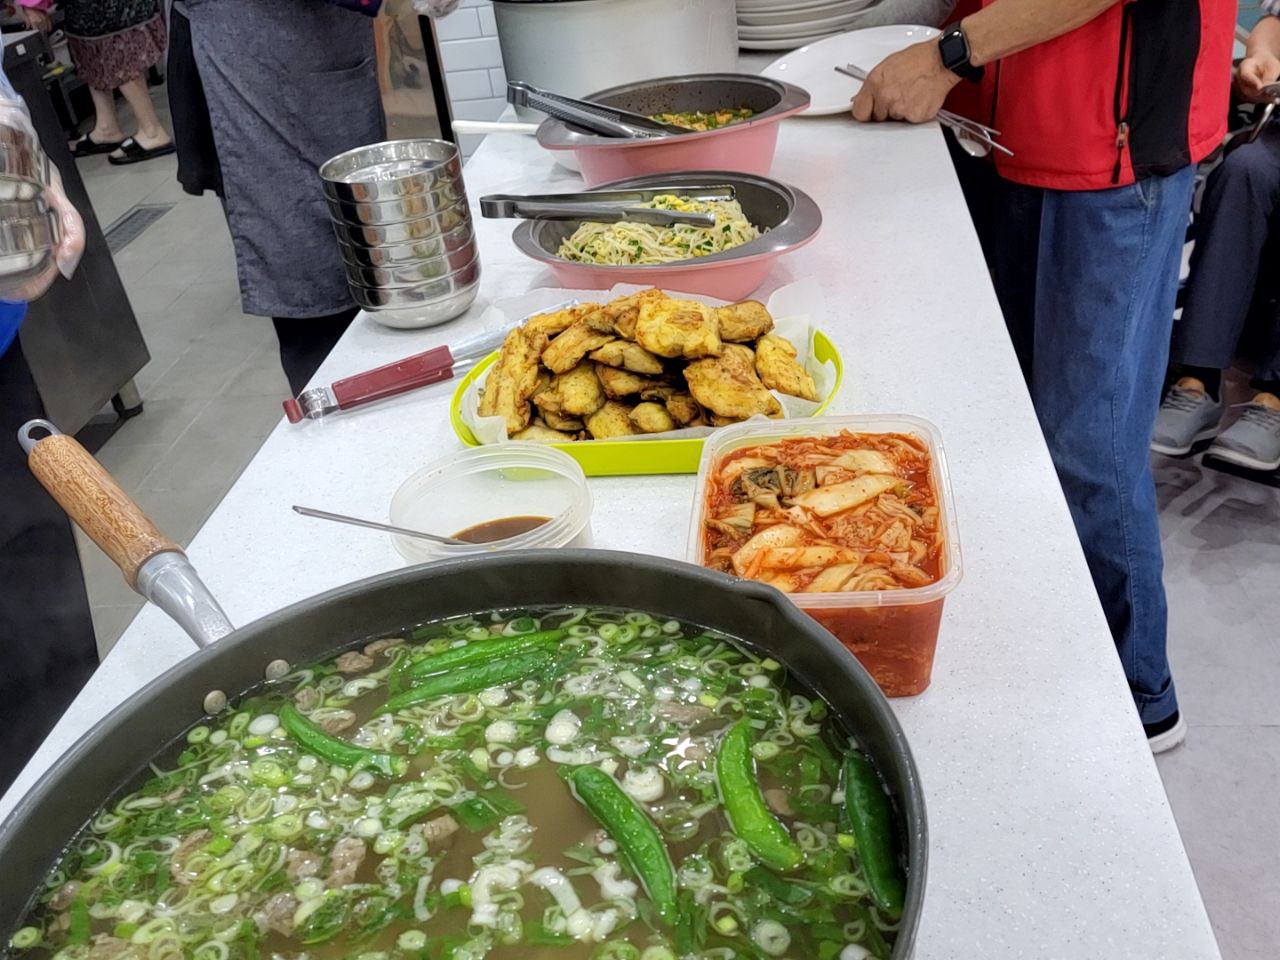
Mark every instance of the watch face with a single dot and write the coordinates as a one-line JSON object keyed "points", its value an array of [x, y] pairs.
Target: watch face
{"points": [[953, 49]]}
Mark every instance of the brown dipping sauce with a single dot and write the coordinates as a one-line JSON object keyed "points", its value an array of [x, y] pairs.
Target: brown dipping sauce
{"points": [[501, 529]]}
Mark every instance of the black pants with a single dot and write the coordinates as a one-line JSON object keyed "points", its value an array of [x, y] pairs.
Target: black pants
{"points": [[1240, 209], [47, 647], [306, 341]]}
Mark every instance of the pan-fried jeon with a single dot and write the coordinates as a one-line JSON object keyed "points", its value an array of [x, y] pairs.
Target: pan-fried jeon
{"points": [[583, 336], [779, 370], [727, 385], [611, 420], [620, 383], [579, 390], [641, 363], [512, 382], [651, 418], [678, 328], [744, 321], [628, 356]]}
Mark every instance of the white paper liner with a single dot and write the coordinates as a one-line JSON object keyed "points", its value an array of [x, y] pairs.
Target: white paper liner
{"points": [[792, 307]]}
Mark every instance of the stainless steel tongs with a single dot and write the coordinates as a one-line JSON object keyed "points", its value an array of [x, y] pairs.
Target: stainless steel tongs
{"points": [[596, 117], [605, 206]]}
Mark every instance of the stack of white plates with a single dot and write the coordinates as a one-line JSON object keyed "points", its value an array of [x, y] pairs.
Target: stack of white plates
{"points": [[785, 24]]}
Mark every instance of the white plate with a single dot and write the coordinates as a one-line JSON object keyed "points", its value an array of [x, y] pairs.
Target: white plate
{"points": [[789, 14], [785, 44], [813, 66], [811, 28]]}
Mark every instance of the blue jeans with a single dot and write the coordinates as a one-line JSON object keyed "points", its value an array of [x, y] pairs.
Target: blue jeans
{"points": [[1087, 281]]}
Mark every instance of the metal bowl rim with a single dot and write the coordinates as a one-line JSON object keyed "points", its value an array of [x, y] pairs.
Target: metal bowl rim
{"points": [[348, 267], [557, 135], [348, 155], [798, 227]]}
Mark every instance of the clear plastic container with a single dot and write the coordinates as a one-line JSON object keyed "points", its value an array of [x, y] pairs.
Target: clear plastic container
{"points": [[485, 484], [894, 633]]}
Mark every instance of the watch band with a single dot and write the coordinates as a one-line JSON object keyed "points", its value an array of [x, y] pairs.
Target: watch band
{"points": [[953, 48]]}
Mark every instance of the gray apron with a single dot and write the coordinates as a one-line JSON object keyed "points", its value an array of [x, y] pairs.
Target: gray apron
{"points": [[289, 85]]}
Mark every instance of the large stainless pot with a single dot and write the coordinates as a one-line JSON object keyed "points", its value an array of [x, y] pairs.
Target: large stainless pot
{"points": [[120, 746], [576, 46]]}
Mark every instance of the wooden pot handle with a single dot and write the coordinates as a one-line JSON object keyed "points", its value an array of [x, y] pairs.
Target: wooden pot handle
{"points": [[93, 499]]}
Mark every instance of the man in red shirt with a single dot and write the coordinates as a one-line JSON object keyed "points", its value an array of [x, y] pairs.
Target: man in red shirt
{"points": [[1107, 106]]}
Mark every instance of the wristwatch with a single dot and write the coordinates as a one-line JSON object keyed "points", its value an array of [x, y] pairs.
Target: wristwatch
{"points": [[953, 47]]}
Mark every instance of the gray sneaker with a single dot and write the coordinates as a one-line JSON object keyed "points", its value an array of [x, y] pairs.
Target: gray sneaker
{"points": [[1187, 416], [1253, 441]]}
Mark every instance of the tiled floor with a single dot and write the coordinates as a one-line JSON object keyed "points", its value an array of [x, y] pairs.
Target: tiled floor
{"points": [[213, 391]]}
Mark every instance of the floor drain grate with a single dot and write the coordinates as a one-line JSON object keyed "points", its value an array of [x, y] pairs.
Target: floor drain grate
{"points": [[129, 227]]}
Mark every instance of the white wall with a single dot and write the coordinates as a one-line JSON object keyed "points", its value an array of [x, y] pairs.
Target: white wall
{"points": [[472, 64]]}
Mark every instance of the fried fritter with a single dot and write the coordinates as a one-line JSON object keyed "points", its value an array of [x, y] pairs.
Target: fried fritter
{"points": [[539, 432], [511, 382], [558, 321], [628, 356], [678, 328], [566, 350], [728, 386], [557, 421], [651, 418], [611, 420], [684, 409], [622, 383], [624, 311], [778, 369], [579, 390], [743, 321]]}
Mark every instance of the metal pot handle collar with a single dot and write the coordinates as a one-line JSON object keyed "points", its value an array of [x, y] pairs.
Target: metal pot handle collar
{"points": [[152, 564]]}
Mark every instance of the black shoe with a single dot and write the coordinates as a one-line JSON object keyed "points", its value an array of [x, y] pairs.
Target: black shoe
{"points": [[1167, 733]]}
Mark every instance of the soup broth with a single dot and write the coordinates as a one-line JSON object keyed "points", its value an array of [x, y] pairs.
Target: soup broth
{"points": [[554, 783]]}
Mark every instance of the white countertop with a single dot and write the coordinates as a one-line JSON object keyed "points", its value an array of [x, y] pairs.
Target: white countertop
{"points": [[1051, 835]]}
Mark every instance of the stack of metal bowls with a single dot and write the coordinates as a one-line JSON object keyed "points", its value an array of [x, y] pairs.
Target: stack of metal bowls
{"points": [[399, 210], [29, 231]]}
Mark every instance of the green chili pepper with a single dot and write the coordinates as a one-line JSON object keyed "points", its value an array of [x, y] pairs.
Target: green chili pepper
{"points": [[78, 931], [332, 750], [638, 839], [483, 651], [475, 676], [748, 814], [871, 818]]}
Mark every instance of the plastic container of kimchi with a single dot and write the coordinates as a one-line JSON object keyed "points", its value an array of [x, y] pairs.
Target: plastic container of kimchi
{"points": [[881, 598]]}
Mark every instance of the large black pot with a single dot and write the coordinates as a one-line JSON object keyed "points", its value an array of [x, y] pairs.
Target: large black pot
{"points": [[119, 747]]}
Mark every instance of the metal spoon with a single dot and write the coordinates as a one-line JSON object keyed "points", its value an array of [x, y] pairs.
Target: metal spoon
{"points": [[373, 525]]}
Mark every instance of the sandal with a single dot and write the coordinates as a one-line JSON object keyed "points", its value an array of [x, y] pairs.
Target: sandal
{"points": [[86, 146], [134, 152]]}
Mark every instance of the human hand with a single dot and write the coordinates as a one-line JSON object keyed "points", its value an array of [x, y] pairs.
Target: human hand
{"points": [[66, 257], [910, 85], [1255, 73], [37, 19]]}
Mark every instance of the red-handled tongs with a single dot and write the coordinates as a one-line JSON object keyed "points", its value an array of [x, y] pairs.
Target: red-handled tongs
{"points": [[433, 366]]}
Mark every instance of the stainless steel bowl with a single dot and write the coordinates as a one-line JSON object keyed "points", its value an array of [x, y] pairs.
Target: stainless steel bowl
{"points": [[430, 314], [411, 274], [29, 234], [410, 207], [769, 99], [395, 168], [24, 168], [786, 216], [430, 227], [418, 294], [392, 255]]}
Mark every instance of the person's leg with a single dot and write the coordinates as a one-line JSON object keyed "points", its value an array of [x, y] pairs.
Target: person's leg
{"points": [[106, 123], [1106, 283], [306, 341], [46, 632], [151, 132], [1240, 200]]}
